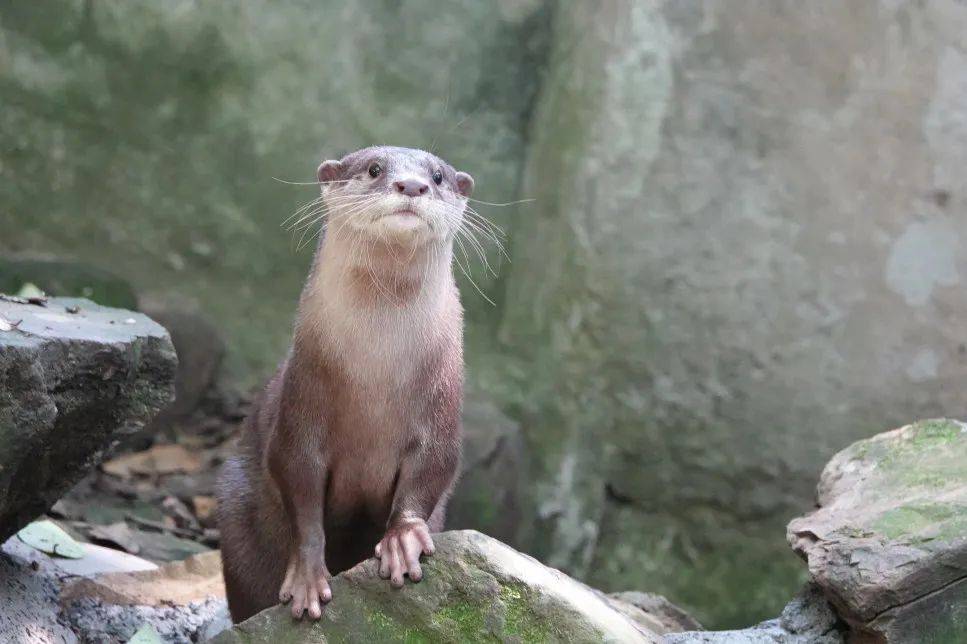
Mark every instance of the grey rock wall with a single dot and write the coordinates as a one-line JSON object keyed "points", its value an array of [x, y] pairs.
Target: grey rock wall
{"points": [[745, 252]]}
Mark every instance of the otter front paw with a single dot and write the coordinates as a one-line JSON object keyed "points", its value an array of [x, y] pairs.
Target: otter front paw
{"points": [[400, 549], [306, 585]]}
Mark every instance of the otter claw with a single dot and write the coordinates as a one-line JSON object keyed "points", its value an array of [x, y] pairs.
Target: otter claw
{"points": [[306, 586], [400, 549]]}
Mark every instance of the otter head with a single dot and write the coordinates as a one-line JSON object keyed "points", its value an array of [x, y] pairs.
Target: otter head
{"points": [[399, 195]]}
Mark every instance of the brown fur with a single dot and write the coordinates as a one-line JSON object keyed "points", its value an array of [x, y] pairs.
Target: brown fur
{"points": [[330, 460]]}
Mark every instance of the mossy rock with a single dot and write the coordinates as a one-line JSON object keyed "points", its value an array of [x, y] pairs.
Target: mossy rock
{"points": [[888, 543], [475, 589]]}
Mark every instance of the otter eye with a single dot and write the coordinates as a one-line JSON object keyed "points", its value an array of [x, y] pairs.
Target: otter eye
{"points": [[438, 177], [375, 170]]}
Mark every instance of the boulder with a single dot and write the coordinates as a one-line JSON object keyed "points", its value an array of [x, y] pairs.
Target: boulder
{"points": [[654, 612], [107, 596], [888, 543], [491, 486], [200, 348], [807, 619], [715, 287], [74, 378], [475, 589]]}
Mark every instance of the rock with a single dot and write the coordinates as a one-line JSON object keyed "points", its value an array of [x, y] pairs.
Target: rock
{"points": [[201, 350], [698, 295], [184, 601], [654, 612], [28, 598], [113, 597], [888, 543], [807, 619], [491, 485], [194, 579], [97, 559], [97, 621], [71, 384], [475, 589]]}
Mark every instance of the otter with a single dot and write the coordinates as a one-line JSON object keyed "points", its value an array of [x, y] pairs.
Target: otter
{"points": [[355, 440]]}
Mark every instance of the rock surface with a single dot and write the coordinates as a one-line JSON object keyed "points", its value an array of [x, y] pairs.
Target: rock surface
{"points": [[888, 544], [106, 599], [74, 377], [475, 589], [491, 486], [700, 289], [807, 619], [654, 612]]}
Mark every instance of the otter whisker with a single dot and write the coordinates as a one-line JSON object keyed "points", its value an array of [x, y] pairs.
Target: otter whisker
{"points": [[479, 250], [309, 183], [355, 205], [322, 199], [501, 205], [467, 274], [476, 216], [306, 206]]}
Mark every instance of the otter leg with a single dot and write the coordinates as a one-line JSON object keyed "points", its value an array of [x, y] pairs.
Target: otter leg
{"points": [[300, 472], [425, 476], [250, 562]]}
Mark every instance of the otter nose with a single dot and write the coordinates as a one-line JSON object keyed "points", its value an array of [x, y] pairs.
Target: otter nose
{"points": [[411, 187]]}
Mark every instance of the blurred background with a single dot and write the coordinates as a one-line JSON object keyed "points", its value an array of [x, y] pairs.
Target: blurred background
{"points": [[744, 249]]}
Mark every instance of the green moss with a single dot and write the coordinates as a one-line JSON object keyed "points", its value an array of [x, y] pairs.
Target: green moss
{"points": [[933, 456], [387, 628], [937, 431], [520, 619], [923, 522], [465, 619]]}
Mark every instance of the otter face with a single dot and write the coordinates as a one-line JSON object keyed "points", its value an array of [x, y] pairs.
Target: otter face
{"points": [[394, 194]]}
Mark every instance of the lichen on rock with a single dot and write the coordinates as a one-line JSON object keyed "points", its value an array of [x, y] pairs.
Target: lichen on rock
{"points": [[888, 543], [475, 589]]}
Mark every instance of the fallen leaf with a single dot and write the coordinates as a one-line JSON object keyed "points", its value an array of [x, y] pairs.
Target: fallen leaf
{"points": [[118, 534], [32, 294], [146, 635], [204, 507], [49, 537], [8, 325], [179, 512], [160, 459]]}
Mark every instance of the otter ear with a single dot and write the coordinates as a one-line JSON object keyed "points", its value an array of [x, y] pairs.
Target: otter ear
{"points": [[329, 171], [464, 183]]}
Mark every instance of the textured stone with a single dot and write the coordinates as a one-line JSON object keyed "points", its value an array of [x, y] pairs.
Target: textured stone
{"points": [[653, 612], [71, 384], [742, 255], [807, 619], [475, 589], [492, 477], [888, 544]]}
